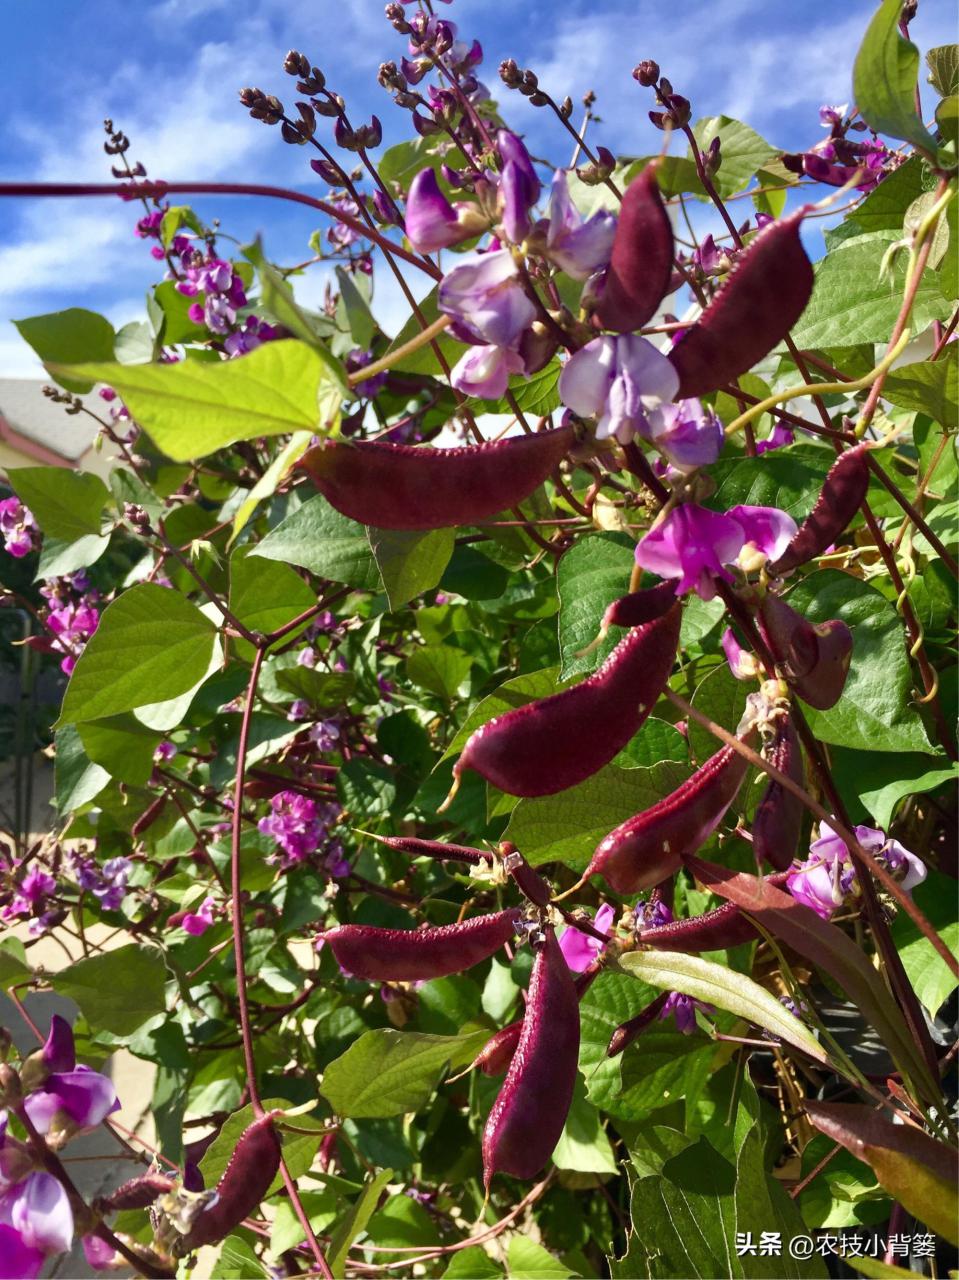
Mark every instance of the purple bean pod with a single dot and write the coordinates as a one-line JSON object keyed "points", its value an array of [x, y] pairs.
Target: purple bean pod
{"points": [[530, 1111], [137, 1193], [641, 262], [778, 819], [554, 743], [414, 955], [626, 1032], [765, 294], [640, 607], [822, 686], [246, 1179], [647, 848], [714, 930], [839, 499]]}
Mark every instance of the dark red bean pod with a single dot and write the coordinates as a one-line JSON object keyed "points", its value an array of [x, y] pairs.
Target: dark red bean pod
{"points": [[790, 638], [556, 742], [626, 1032], [778, 819], [398, 486], [147, 818], [497, 1053], [530, 1111], [245, 1181], [529, 882], [714, 930], [822, 686], [640, 606], [413, 955], [645, 849], [641, 262], [417, 848], [765, 295], [839, 499], [138, 1193]]}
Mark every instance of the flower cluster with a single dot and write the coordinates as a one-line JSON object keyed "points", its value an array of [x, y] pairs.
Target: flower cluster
{"points": [[108, 883], [827, 878], [301, 826], [838, 160], [18, 528], [30, 898], [60, 1100]]}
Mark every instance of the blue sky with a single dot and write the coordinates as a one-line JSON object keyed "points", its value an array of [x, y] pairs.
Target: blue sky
{"points": [[168, 72]]}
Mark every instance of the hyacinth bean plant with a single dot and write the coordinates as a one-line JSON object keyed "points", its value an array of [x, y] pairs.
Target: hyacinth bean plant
{"points": [[513, 758]]}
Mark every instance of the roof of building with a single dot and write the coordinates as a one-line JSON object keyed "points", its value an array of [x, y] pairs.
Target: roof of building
{"points": [[39, 427]]}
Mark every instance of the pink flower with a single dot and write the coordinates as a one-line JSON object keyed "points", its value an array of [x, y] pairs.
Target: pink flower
{"points": [[827, 877], [695, 545], [18, 528], [580, 949], [620, 380], [35, 1220], [485, 371], [73, 625], [197, 922], [431, 222]]}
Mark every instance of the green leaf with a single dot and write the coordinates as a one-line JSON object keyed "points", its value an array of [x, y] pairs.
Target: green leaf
{"points": [[886, 784], [875, 711], [513, 693], [265, 596], [884, 209], [583, 1145], [743, 151], [589, 577], [69, 337], [440, 668], [917, 1171], [299, 1149], [410, 562], [362, 324], [929, 975], [191, 409], [528, 1260], [884, 78], [321, 1208], [943, 62], [536, 395], [388, 1073], [237, 1261], [152, 644], [661, 1067], [472, 1264], [852, 303], [725, 988], [77, 778], [354, 1222], [265, 487], [117, 991], [277, 298], [567, 827], [789, 479], [931, 387], [67, 504], [318, 538], [58, 557], [321, 689], [121, 745], [170, 311], [13, 963]]}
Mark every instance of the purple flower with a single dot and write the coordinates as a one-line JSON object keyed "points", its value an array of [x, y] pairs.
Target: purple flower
{"points": [[580, 949], [306, 657], [299, 710], [486, 298], [684, 1008], [578, 246], [70, 1101], [18, 528], [694, 544], [100, 1254], [252, 335], [197, 922], [778, 438], [743, 664], [619, 379], [294, 824], [35, 1220], [827, 877], [652, 915], [30, 900], [519, 186], [689, 435], [829, 116], [72, 625], [368, 388], [326, 735], [336, 861], [431, 222], [485, 371], [59, 1052], [164, 752]]}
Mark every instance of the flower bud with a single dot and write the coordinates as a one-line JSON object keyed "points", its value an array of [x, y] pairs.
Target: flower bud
{"points": [[327, 171], [10, 1091], [510, 74], [646, 72], [344, 135], [296, 64]]}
